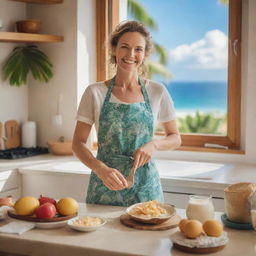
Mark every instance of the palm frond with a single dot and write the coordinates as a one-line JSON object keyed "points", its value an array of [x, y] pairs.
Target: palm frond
{"points": [[161, 51], [140, 13], [226, 2], [24, 59], [157, 68]]}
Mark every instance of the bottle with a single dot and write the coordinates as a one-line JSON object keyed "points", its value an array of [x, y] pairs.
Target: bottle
{"points": [[28, 134], [200, 208]]}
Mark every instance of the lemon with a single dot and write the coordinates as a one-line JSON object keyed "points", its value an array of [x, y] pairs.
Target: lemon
{"points": [[26, 205], [213, 228], [193, 229], [182, 224], [67, 206]]}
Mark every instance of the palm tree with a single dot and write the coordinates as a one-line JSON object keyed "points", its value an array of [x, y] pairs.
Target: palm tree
{"points": [[200, 123], [139, 13]]}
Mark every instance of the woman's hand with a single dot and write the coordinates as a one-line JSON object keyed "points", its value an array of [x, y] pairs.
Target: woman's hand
{"points": [[112, 178], [143, 155]]}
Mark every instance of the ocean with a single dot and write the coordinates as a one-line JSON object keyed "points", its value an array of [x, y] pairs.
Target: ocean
{"points": [[188, 97]]}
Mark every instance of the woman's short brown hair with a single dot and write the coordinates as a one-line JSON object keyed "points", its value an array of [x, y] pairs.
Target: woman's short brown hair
{"points": [[129, 26]]}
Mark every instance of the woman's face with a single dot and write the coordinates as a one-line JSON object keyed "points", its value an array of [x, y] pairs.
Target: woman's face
{"points": [[130, 51]]}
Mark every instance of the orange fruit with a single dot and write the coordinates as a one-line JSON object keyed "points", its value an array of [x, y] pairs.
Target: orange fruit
{"points": [[67, 206], [182, 224], [193, 229], [213, 228], [26, 205]]}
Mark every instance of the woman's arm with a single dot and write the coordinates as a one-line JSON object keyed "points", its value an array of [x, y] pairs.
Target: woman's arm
{"points": [[111, 177], [171, 140]]}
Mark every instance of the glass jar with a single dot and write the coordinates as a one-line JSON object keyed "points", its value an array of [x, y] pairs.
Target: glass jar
{"points": [[200, 208]]}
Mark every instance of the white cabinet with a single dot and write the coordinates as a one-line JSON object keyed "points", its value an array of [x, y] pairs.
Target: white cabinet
{"points": [[55, 184], [10, 183]]}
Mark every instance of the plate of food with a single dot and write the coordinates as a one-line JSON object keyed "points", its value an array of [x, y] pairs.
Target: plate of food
{"points": [[86, 223], [151, 212]]}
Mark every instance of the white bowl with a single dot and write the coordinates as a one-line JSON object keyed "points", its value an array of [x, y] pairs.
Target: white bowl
{"points": [[170, 211], [85, 228]]}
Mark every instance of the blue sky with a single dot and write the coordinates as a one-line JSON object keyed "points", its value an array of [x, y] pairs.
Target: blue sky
{"points": [[194, 32]]}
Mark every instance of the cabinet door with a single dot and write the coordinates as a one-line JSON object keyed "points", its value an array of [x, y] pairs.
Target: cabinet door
{"points": [[56, 185], [10, 183]]}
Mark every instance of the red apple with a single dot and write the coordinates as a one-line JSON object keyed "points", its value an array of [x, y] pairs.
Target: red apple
{"points": [[45, 199], [45, 211]]}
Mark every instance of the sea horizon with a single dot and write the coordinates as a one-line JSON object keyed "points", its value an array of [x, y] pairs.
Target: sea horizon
{"points": [[202, 96]]}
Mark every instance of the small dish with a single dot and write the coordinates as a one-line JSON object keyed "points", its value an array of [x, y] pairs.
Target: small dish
{"points": [[149, 219], [235, 225], [86, 228]]}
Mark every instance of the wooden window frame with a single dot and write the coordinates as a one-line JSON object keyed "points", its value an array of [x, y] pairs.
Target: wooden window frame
{"points": [[107, 18]]}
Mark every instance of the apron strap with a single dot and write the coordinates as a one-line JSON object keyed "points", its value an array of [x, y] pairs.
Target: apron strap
{"points": [[141, 83]]}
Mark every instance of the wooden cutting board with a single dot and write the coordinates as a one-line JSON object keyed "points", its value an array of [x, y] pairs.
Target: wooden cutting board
{"points": [[1, 138], [173, 222], [12, 134]]}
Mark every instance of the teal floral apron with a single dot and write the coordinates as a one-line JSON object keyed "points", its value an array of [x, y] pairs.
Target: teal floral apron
{"points": [[123, 128]]}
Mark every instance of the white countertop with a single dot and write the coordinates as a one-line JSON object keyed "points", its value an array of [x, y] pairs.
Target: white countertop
{"points": [[113, 239], [181, 173]]}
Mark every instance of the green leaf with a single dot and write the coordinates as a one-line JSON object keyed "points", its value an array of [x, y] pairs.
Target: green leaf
{"points": [[25, 59], [138, 11]]}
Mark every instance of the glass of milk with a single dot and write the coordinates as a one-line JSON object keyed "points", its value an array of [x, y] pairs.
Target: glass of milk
{"points": [[200, 208]]}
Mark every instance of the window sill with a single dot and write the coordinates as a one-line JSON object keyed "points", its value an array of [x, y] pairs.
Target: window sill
{"points": [[211, 150]]}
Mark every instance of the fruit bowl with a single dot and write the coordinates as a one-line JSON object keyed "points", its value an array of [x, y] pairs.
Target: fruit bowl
{"points": [[169, 211], [33, 218], [86, 223]]}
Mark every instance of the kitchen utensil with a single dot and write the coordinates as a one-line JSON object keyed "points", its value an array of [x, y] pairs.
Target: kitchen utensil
{"points": [[149, 219], [84, 228], [28, 26], [173, 222], [12, 134], [130, 178]]}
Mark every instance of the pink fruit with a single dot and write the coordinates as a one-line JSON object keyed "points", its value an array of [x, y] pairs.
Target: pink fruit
{"points": [[45, 211], [45, 199]]}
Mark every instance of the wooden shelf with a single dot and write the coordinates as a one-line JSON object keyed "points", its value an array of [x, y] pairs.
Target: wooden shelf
{"points": [[40, 1], [14, 37]]}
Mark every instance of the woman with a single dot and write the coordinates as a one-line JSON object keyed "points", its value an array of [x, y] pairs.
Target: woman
{"points": [[124, 111]]}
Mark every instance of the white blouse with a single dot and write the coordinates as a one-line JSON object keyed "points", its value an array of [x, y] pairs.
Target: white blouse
{"points": [[94, 95]]}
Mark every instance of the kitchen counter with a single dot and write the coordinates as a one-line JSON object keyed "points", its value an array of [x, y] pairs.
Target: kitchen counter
{"points": [[113, 239]]}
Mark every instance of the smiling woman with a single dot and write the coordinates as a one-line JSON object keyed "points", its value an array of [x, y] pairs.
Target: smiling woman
{"points": [[125, 110]]}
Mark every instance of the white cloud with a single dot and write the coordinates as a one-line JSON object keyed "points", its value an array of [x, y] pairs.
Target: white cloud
{"points": [[207, 53]]}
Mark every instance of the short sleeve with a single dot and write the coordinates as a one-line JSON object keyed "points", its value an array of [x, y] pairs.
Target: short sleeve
{"points": [[166, 111], [85, 111]]}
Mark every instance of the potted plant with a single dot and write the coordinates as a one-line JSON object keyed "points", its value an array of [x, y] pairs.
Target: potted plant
{"points": [[24, 59]]}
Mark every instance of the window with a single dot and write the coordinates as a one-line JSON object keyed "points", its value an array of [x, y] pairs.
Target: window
{"points": [[107, 17]]}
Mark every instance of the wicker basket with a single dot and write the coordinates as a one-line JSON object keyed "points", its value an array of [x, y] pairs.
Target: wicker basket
{"points": [[237, 205]]}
